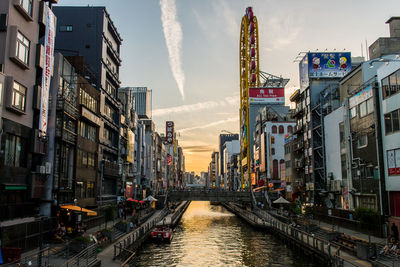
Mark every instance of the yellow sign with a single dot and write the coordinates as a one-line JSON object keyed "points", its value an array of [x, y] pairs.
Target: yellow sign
{"points": [[130, 147]]}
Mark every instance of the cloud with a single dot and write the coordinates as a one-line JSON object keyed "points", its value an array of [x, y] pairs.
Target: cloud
{"points": [[198, 149], [230, 100], [208, 125], [173, 39]]}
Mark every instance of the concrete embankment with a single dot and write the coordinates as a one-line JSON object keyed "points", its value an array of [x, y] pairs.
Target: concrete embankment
{"points": [[173, 218], [319, 249]]}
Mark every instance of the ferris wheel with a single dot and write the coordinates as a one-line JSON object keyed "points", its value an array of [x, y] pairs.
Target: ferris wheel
{"points": [[249, 77]]}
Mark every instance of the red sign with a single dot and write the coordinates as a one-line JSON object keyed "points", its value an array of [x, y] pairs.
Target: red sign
{"points": [[267, 95], [169, 132], [169, 160], [129, 191]]}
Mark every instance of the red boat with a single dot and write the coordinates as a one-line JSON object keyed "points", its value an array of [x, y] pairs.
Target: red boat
{"points": [[162, 233]]}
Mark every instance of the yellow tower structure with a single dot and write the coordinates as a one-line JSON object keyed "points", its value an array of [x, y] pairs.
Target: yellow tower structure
{"points": [[249, 77]]}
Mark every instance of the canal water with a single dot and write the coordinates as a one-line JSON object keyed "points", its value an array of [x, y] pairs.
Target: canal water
{"points": [[210, 235]]}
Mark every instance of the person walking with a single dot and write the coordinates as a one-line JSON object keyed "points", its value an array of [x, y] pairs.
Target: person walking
{"points": [[395, 233]]}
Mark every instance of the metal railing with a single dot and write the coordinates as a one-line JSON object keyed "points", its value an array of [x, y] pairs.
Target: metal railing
{"points": [[137, 234], [39, 258], [86, 257]]}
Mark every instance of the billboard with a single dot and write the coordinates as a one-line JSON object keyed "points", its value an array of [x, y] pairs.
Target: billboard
{"points": [[303, 73], [360, 96], [329, 65], [130, 147], [263, 148], [266, 95], [48, 59], [169, 132]]}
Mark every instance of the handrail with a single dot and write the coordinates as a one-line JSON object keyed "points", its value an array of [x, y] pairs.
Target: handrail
{"points": [[129, 258], [83, 254]]}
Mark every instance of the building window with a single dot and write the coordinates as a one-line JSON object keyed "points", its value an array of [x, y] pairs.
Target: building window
{"points": [[362, 108], [274, 129], [90, 189], [85, 159], [27, 6], [362, 141], [79, 190], [66, 28], [370, 105], [110, 89], [290, 129], [275, 169], [287, 164], [14, 151], [281, 129], [272, 151], [22, 51], [87, 100], [87, 131], [272, 139], [18, 96], [391, 84], [392, 121], [353, 112]]}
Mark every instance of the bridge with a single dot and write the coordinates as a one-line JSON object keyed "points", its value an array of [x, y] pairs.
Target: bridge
{"points": [[212, 195]]}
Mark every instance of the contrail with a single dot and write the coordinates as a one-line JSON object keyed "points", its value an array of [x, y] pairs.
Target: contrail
{"points": [[173, 39]]}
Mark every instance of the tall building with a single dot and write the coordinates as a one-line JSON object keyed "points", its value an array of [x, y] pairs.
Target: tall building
{"points": [[23, 145], [143, 101], [223, 138], [99, 43]]}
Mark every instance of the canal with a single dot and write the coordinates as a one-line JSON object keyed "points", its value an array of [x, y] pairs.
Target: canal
{"points": [[212, 236]]}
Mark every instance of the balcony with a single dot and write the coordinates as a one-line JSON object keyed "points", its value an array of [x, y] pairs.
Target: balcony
{"points": [[299, 144], [298, 129], [66, 135], [298, 112], [111, 169], [69, 109]]}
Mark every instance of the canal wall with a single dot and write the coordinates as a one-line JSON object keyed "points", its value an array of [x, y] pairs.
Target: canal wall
{"points": [[319, 249], [173, 218]]}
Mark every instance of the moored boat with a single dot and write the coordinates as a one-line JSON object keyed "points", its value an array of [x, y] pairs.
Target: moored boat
{"points": [[162, 233]]}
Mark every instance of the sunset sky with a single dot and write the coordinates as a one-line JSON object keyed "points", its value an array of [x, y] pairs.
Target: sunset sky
{"points": [[186, 52]]}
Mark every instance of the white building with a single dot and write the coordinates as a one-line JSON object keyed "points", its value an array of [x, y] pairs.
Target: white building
{"points": [[388, 76], [275, 149]]}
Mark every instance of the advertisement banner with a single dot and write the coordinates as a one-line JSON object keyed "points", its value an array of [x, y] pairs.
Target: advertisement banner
{"points": [[391, 162], [169, 132], [47, 69], [129, 190], [303, 73], [169, 160], [361, 96], [130, 147], [329, 65], [267, 95], [397, 155], [253, 179], [263, 148]]}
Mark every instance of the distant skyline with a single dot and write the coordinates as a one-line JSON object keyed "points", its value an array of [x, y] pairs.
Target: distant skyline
{"points": [[186, 52]]}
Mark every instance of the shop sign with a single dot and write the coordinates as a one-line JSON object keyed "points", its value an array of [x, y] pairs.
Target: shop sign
{"points": [[169, 132]]}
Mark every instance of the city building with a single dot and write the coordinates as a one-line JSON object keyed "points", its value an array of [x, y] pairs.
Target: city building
{"points": [[23, 143], [223, 139], [231, 148], [100, 46]]}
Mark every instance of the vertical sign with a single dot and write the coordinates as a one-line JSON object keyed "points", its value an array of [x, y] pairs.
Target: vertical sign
{"points": [[391, 162], [47, 68], [169, 132], [131, 147]]}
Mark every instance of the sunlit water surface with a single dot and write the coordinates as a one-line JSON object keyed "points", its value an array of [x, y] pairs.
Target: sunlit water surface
{"points": [[212, 236]]}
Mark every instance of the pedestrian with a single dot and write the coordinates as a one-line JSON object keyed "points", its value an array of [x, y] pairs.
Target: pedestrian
{"points": [[395, 233]]}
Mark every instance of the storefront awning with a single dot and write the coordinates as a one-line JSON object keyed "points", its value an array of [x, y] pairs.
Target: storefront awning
{"points": [[77, 208]]}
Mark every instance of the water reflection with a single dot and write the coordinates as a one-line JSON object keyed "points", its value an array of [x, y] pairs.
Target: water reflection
{"points": [[212, 236]]}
